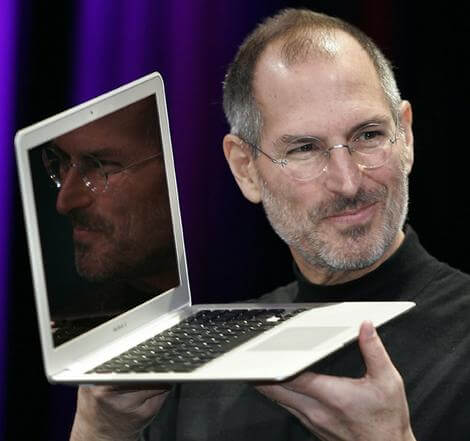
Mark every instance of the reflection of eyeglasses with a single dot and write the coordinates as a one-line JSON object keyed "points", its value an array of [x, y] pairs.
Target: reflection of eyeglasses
{"points": [[307, 157], [94, 172]]}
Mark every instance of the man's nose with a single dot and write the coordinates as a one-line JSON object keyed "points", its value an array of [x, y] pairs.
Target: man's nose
{"points": [[343, 175], [73, 193]]}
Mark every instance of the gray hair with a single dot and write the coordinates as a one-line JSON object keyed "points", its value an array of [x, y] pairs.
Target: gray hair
{"points": [[302, 32]]}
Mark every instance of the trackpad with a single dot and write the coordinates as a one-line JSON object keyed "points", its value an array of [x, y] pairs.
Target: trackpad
{"points": [[299, 339]]}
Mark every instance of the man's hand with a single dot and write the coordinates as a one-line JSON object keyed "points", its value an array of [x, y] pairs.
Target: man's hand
{"points": [[115, 413], [334, 408]]}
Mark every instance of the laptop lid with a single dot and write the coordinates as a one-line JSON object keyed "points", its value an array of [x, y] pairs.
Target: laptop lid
{"points": [[107, 251]]}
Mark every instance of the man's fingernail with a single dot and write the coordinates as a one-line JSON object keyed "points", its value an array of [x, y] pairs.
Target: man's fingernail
{"points": [[369, 329]]}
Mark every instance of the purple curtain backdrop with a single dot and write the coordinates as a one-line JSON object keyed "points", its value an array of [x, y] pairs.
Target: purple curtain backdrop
{"points": [[7, 111], [190, 43]]}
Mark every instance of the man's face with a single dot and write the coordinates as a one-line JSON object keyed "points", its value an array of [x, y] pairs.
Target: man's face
{"points": [[124, 232], [347, 218]]}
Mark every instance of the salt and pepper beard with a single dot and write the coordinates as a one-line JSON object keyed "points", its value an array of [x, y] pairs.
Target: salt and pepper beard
{"points": [[126, 259], [299, 229]]}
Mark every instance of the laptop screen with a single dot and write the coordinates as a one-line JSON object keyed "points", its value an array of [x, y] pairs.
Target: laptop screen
{"points": [[104, 219]]}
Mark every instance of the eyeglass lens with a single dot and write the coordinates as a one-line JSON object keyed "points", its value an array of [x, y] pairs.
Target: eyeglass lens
{"points": [[89, 169], [307, 157]]}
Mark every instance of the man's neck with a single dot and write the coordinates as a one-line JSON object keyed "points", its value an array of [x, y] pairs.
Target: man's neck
{"points": [[324, 276]]}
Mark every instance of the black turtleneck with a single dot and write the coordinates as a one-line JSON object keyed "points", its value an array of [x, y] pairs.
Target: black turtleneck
{"points": [[396, 279], [430, 346]]}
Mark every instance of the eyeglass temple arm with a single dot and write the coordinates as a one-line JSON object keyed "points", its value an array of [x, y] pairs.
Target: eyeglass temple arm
{"points": [[281, 162], [136, 163]]}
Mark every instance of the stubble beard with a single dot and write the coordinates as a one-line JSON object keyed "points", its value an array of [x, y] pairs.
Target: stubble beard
{"points": [[358, 247], [103, 267], [121, 259]]}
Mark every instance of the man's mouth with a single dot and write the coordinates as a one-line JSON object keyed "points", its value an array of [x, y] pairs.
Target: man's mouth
{"points": [[88, 226], [358, 209], [84, 234], [356, 215]]}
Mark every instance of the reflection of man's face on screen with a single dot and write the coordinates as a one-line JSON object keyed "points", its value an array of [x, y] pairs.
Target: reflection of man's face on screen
{"points": [[123, 232]]}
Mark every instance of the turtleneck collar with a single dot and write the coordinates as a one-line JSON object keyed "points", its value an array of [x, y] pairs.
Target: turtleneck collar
{"points": [[388, 282]]}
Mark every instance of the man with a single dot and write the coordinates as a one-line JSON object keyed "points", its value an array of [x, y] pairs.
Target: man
{"points": [[112, 188], [320, 136]]}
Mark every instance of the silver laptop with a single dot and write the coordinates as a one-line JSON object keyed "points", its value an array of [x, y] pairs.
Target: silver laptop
{"points": [[108, 260]]}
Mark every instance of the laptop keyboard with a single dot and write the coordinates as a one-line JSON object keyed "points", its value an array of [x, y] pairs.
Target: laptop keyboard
{"points": [[196, 340]]}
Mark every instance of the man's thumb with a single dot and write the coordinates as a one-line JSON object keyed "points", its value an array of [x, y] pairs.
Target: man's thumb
{"points": [[373, 351]]}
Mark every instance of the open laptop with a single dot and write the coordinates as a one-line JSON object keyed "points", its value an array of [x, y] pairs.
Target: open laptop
{"points": [[107, 254]]}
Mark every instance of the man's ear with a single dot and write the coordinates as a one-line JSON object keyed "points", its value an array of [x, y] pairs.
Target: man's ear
{"points": [[406, 120], [241, 161]]}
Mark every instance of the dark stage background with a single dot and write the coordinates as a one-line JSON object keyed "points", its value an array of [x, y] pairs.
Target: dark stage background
{"points": [[57, 54]]}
